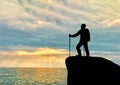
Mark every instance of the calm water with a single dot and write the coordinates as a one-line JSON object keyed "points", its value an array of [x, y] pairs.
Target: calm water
{"points": [[33, 76]]}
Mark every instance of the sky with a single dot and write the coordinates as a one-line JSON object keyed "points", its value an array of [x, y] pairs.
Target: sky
{"points": [[34, 33]]}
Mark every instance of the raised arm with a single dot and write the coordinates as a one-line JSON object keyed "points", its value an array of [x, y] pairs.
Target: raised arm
{"points": [[76, 34]]}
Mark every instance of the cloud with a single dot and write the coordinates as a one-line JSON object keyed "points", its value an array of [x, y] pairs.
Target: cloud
{"points": [[40, 57], [110, 22], [65, 14], [46, 57], [27, 16]]}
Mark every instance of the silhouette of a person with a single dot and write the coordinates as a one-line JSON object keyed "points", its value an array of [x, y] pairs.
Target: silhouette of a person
{"points": [[84, 39]]}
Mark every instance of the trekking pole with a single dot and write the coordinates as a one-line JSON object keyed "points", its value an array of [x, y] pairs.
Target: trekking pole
{"points": [[69, 45]]}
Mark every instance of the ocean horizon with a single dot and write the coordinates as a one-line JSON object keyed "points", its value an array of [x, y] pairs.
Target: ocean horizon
{"points": [[33, 76]]}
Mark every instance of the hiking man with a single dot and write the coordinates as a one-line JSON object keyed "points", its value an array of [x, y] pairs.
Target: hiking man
{"points": [[84, 38]]}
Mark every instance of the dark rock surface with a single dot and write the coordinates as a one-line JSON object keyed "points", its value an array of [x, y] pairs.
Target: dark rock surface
{"points": [[92, 70]]}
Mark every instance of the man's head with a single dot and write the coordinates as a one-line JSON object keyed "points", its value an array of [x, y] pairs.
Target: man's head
{"points": [[83, 26]]}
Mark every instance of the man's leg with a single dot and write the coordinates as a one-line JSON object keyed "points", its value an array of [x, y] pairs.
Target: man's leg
{"points": [[86, 49], [78, 48]]}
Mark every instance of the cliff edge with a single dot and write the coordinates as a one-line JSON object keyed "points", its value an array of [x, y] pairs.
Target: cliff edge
{"points": [[91, 70]]}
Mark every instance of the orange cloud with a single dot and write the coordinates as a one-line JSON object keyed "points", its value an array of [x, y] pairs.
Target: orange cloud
{"points": [[42, 52], [40, 57]]}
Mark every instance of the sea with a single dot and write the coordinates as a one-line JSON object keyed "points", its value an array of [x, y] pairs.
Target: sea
{"points": [[33, 76]]}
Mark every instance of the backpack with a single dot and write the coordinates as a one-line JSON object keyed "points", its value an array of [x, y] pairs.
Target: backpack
{"points": [[87, 34]]}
